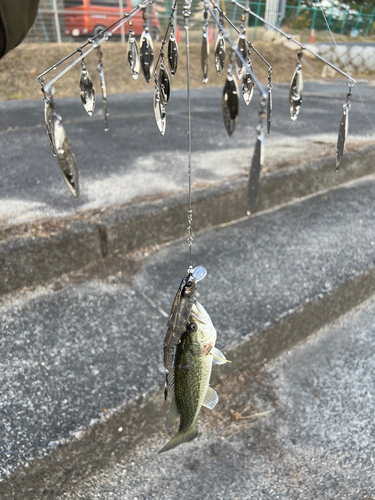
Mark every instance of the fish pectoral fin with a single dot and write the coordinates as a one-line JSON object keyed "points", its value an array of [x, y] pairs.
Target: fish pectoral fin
{"points": [[211, 398], [169, 382], [219, 358], [172, 415], [181, 437]]}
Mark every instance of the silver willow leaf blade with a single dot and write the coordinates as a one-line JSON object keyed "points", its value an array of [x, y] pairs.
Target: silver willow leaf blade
{"points": [[87, 90], [172, 54], [242, 47], [255, 170], [65, 156], [295, 93], [147, 55], [164, 83], [219, 54], [133, 56], [229, 105], [343, 132], [269, 110], [159, 111], [104, 95], [204, 56], [49, 125], [247, 85]]}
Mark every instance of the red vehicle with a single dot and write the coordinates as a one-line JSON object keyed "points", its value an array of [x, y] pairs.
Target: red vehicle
{"points": [[89, 17]]}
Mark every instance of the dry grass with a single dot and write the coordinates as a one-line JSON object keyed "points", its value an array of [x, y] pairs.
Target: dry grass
{"points": [[245, 398], [20, 68]]}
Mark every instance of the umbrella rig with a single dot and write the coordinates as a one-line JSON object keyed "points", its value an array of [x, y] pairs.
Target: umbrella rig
{"points": [[239, 73]]}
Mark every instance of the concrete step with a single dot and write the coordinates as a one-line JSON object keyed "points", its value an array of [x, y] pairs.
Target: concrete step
{"points": [[81, 356], [38, 252]]}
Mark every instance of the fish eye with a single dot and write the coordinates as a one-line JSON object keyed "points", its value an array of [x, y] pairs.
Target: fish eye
{"points": [[188, 284], [192, 326]]}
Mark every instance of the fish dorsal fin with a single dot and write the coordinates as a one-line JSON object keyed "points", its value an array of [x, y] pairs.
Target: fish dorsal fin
{"points": [[219, 358], [211, 398], [172, 414]]}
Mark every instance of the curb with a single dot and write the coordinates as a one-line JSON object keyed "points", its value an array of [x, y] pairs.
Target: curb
{"points": [[28, 261]]}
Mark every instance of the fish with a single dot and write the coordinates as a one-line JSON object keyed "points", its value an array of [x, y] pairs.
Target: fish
{"points": [[189, 380], [179, 315]]}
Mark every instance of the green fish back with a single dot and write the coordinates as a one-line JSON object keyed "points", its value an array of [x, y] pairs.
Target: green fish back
{"points": [[192, 373]]}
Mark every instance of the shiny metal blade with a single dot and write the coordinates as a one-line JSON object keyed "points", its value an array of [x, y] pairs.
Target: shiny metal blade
{"points": [[343, 132], [269, 110], [65, 155], [133, 56], [219, 54], [147, 55], [229, 104], [247, 85], [204, 56], [295, 93], [164, 83], [172, 54], [159, 111], [104, 94], [255, 170], [87, 90], [242, 47], [49, 125]]}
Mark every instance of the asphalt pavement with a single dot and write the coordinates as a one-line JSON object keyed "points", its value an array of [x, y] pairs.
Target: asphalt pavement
{"points": [[133, 160], [314, 441], [86, 349]]}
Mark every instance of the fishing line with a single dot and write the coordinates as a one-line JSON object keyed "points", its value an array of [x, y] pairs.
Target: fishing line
{"points": [[186, 13], [342, 60]]}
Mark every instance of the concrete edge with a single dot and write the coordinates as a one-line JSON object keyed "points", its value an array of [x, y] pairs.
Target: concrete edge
{"points": [[28, 261], [102, 443]]}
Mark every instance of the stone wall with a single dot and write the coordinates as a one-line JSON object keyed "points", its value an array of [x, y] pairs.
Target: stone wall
{"points": [[358, 58]]}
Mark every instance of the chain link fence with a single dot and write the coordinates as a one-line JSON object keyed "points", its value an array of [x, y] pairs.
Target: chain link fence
{"points": [[71, 20]]}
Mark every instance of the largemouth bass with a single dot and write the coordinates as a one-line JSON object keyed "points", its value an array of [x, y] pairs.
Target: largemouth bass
{"points": [[179, 316], [189, 379]]}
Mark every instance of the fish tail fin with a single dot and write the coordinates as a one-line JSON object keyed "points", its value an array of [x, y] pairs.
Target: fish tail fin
{"points": [[181, 437]]}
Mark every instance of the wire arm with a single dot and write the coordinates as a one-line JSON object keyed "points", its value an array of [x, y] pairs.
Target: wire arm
{"points": [[250, 44], [291, 39], [238, 53], [95, 42]]}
